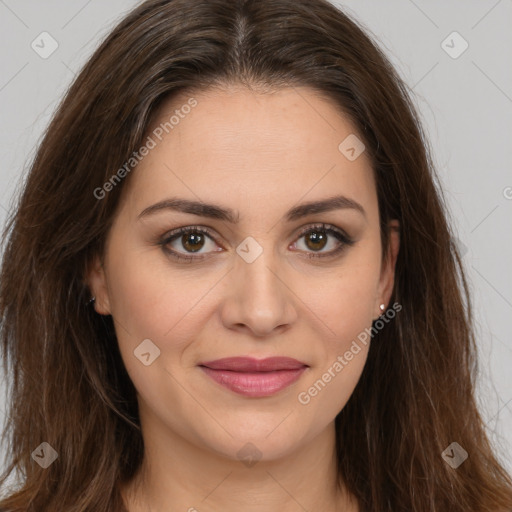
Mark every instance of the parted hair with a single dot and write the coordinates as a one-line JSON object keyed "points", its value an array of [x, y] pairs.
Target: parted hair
{"points": [[67, 382]]}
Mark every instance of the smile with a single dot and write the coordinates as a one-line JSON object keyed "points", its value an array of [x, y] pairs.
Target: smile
{"points": [[253, 377]]}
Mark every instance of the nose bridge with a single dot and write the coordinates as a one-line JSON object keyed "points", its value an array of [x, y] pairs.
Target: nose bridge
{"points": [[260, 299], [257, 269]]}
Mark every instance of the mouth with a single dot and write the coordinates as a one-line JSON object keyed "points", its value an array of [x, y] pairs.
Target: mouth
{"points": [[254, 377]]}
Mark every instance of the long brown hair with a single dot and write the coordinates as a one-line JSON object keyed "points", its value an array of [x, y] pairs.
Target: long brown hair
{"points": [[68, 385]]}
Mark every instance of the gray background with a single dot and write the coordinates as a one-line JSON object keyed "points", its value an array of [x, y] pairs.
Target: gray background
{"points": [[465, 103]]}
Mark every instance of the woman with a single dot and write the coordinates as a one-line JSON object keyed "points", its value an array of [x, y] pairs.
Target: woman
{"points": [[230, 282]]}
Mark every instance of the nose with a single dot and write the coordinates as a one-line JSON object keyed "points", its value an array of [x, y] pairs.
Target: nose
{"points": [[259, 300]]}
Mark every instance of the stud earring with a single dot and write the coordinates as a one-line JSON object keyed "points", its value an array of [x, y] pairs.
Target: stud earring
{"points": [[382, 307], [92, 299]]}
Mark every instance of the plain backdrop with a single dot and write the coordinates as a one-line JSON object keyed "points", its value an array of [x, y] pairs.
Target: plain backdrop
{"points": [[464, 98]]}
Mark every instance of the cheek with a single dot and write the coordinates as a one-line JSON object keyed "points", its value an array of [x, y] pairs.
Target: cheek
{"points": [[345, 305], [344, 299], [150, 299], [148, 295], [344, 351]]}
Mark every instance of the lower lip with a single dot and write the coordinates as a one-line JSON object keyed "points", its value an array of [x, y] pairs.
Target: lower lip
{"points": [[257, 384]]}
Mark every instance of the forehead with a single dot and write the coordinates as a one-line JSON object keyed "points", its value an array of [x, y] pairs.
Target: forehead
{"points": [[282, 144]]}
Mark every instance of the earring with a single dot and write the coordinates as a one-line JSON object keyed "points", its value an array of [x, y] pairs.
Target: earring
{"points": [[92, 299], [382, 307]]}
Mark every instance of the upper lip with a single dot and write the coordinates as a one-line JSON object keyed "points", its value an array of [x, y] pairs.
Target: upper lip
{"points": [[250, 364]]}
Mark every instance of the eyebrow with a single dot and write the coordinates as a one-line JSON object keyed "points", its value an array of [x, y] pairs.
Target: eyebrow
{"points": [[212, 211]]}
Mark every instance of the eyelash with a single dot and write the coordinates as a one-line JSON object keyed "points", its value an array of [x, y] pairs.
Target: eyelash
{"points": [[325, 228]]}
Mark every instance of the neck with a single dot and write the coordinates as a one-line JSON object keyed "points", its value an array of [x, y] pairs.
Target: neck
{"points": [[179, 475]]}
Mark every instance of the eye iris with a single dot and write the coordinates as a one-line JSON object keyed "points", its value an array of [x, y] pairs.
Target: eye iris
{"points": [[196, 239], [193, 241], [316, 237]]}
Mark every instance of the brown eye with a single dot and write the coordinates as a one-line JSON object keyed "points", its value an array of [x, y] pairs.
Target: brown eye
{"points": [[192, 241], [316, 240], [182, 243]]}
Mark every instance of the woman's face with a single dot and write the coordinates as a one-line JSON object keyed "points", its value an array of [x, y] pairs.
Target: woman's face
{"points": [[266, 280]]}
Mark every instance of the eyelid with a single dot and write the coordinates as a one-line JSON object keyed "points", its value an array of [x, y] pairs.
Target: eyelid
{"points": [[187, 229], [324, 227], [343, 238], [340, 234]]}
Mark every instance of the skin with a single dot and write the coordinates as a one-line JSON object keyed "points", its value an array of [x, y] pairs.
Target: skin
{"points": [[259, 154]]}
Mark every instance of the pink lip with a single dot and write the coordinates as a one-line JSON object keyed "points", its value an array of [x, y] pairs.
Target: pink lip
{"points": [[254, 377]]}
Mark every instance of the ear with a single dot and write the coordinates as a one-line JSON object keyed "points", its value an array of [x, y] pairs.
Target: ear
{"points": [[96, 279], [387, 276]]}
